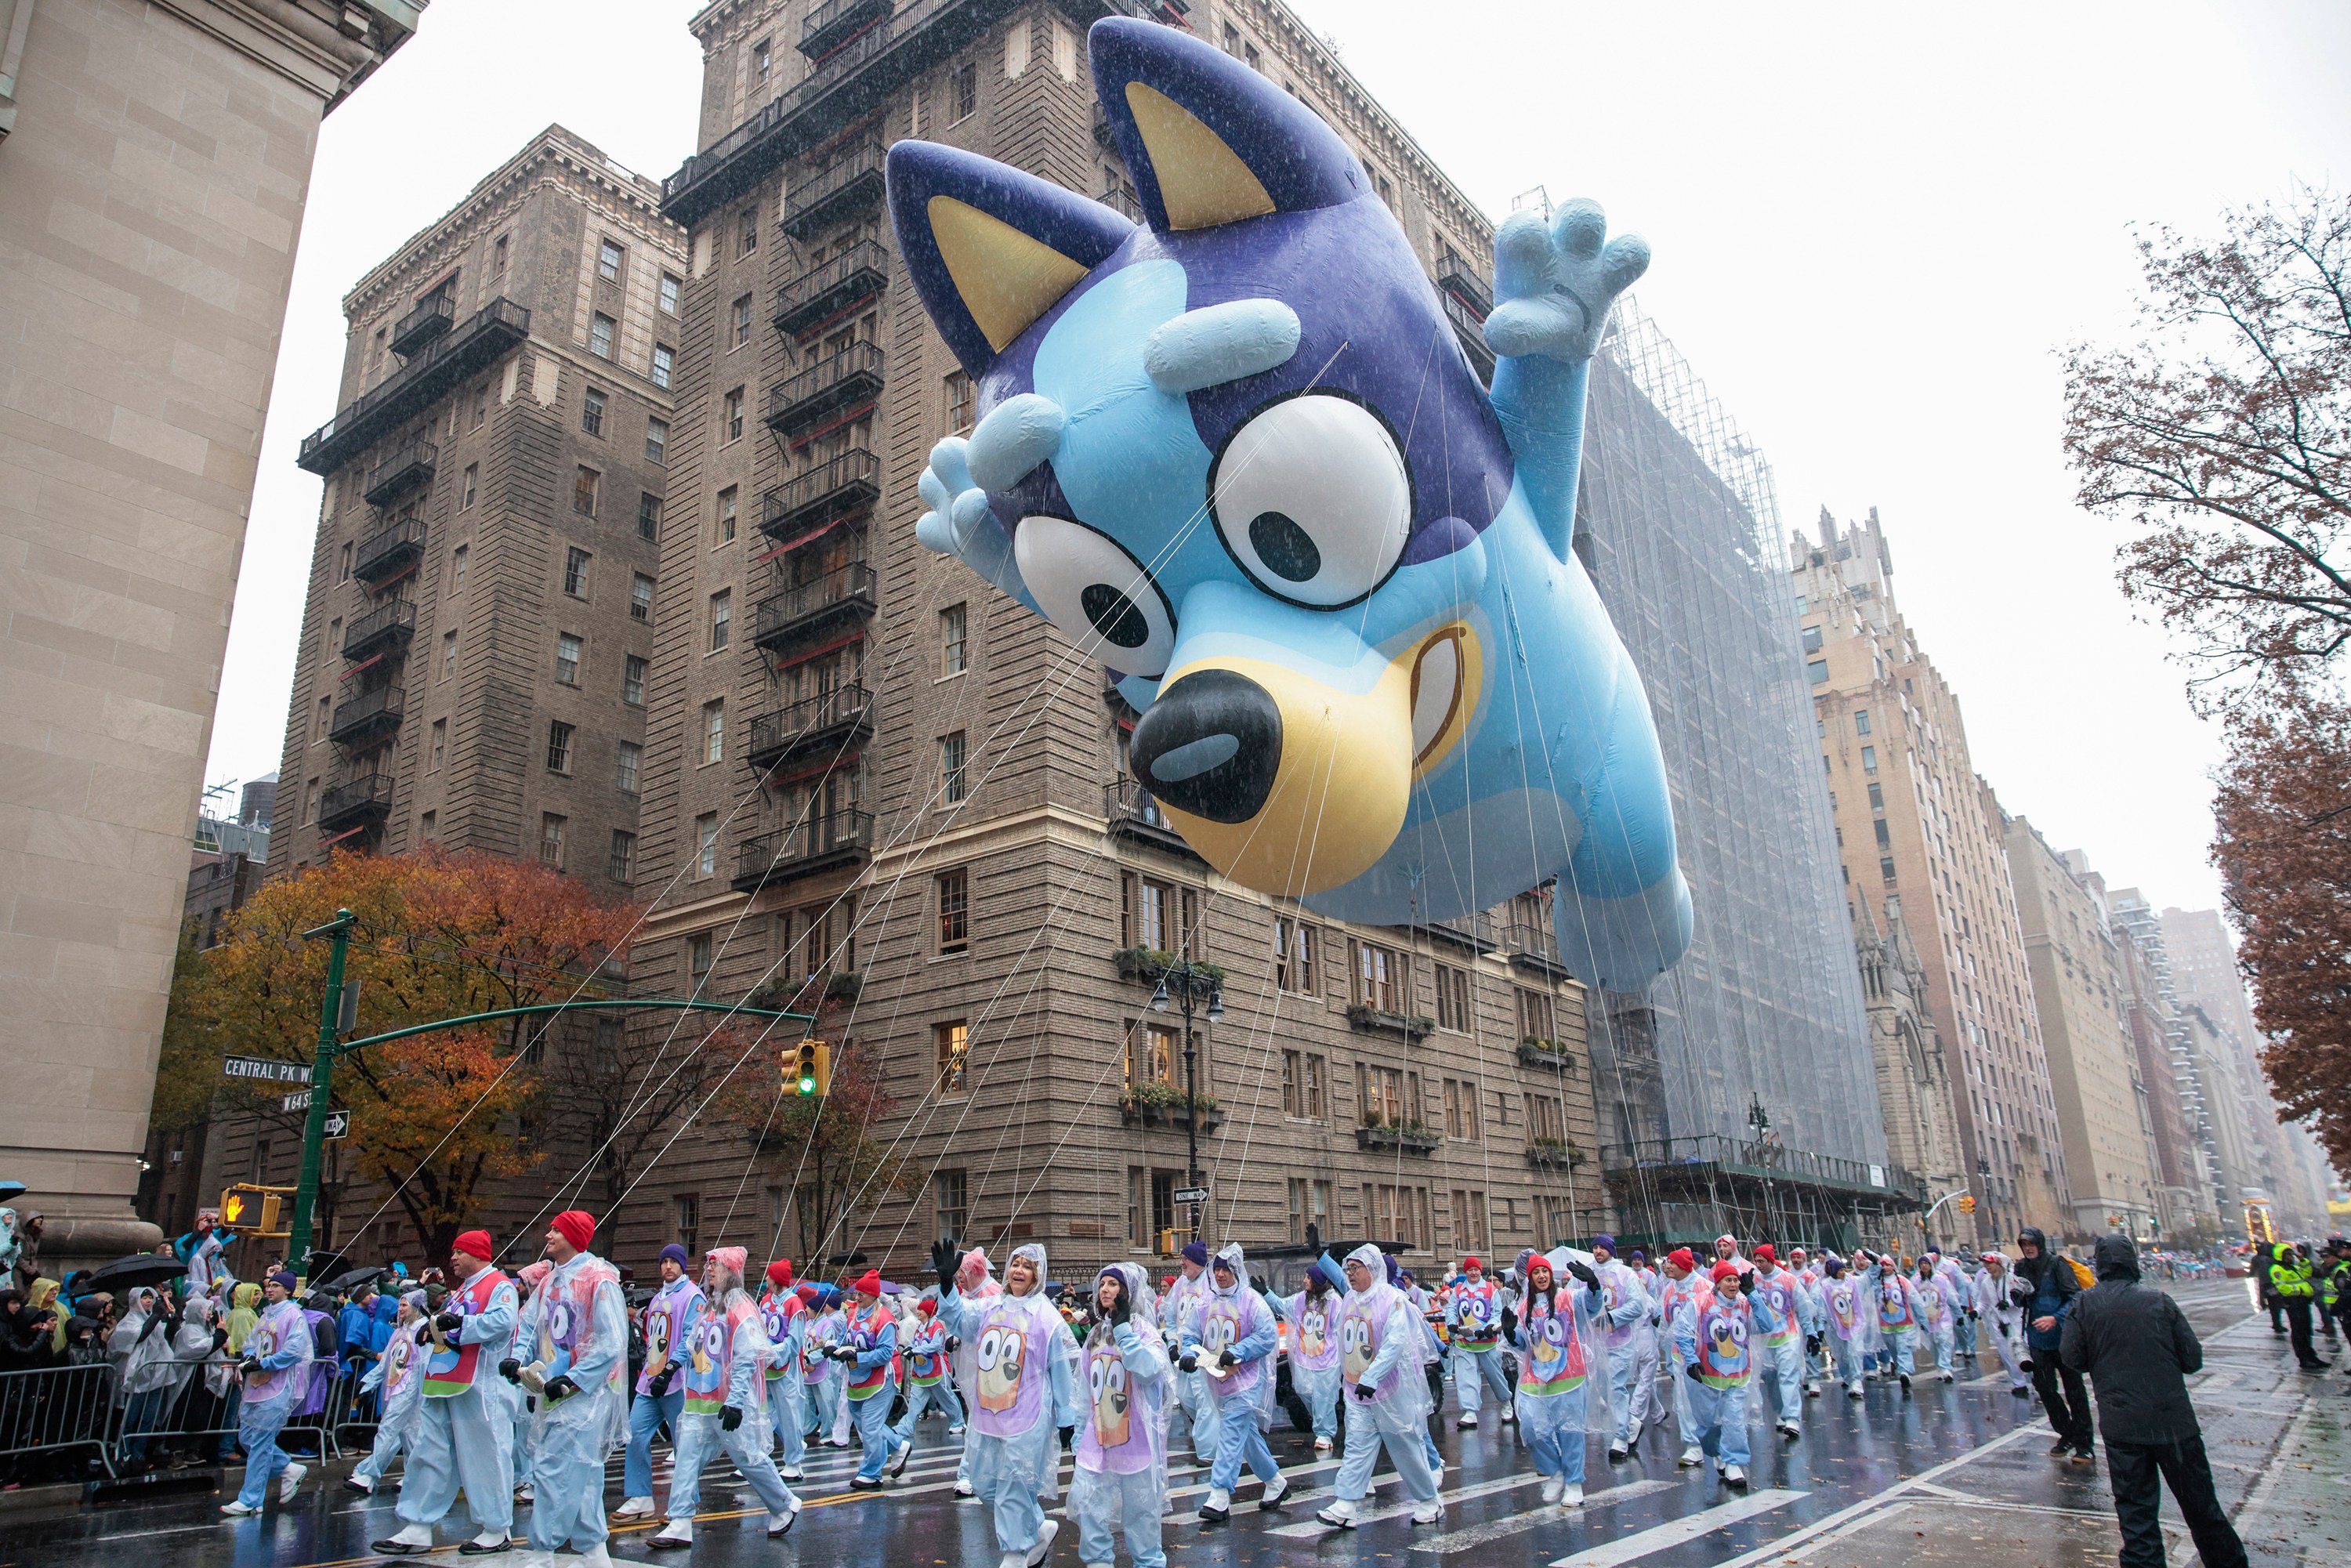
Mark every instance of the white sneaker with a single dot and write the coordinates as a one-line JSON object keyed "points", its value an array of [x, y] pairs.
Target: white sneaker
{"points": [[895, 1465], [236, 1509], [1340, 1515], [1044, 1547], [677, 1534], [1945, 1377], [1789, 1429], [1431, 1512], [594, 1557], [781, 1523], [1469, 1420], [792, 1474], [1322, 1445], [1572, 1495], [1692, 1457], [489, 1540], [963, 1488], [415, 1535], [1811, 1391], [1510, 1416], [291, 1482], [1734, 1475], [1218, 1505], [1013, 1559], [1553, 1485], [1854, 1390], [956, 1431], [524, 1494], [1275, 1491], [639, 1507], [1616, 1451]]}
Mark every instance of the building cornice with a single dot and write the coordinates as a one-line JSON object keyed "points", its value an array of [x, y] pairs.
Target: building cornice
{"points": [[326, 47]]}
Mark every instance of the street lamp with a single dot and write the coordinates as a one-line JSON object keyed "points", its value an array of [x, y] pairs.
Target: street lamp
{"points": [[1189, 984]]}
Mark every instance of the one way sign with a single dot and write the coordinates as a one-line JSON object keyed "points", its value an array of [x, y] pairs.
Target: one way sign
{"points": [[338, 1124]]}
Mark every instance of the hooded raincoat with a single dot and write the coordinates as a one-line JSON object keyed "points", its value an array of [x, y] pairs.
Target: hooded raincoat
{"points": [[576, 1326], [733, 1338], [281, 1347], [1384, 1349], [1561, 1335], [1232, 1340], [1315, 1354], [1024, 1388], [1121, 1443], [398, 1380]]}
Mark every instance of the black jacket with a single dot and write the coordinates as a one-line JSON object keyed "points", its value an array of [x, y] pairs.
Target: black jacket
{"points": [[2134, 1343]]}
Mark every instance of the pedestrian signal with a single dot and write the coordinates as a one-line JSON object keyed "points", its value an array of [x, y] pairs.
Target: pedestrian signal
{"points": [[250, 1209], [809, 1071]]}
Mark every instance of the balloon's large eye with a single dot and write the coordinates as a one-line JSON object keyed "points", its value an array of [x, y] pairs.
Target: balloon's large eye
{"points": [[1313, 499], [1099, 595]]}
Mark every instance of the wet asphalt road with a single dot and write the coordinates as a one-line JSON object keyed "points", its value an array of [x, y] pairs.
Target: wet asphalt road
{"points": [[1958, 1473]]}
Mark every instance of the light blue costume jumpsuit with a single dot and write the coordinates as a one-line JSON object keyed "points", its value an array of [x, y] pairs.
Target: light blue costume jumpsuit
{"points": [[398, 1372], [1897, 1313], [1122, 1445], [822, 1404], [736, 1341], [1025, 1388], [465, 1435], [1314, 1356], [1234, 1328], [1624, 1320], [872, 1335], [1716, 1332], [1557, 1338], [281, 1343], [1781, 1356], [1473, 1316], [1383, 1347], [670, 1320], [785, 1318], [578, 1326], [927, 1383]]}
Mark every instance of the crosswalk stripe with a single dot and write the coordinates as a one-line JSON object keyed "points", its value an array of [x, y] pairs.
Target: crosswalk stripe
{"points": [[1314, 1528], [1674, 1532], [1501, 1529]]}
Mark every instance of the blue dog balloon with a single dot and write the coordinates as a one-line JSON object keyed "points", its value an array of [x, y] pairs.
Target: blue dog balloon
{"points": [[1238, 457]]}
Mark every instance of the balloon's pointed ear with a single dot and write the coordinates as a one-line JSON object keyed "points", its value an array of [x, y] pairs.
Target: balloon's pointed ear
{"points": [[1207, 139], [990, 249]]}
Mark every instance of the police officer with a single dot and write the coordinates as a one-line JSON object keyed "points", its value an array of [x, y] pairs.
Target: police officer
{"points": [[2293, 1279]]}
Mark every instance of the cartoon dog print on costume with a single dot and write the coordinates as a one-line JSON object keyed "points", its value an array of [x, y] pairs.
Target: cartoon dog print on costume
{"points": [[999, 1357], [1355, 1339], [1238, 457], [1106, 1378]]}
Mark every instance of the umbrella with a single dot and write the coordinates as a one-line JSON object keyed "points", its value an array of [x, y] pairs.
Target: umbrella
{"points": [[356, 1277], [11, 1189], [129, 1273]]}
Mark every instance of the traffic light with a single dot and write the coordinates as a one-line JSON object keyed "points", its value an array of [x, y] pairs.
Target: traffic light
{"points": [[1967, 1203], [250, 1208], [810, 1072]]}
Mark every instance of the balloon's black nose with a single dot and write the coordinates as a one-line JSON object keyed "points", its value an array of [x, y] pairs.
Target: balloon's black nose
{"points": [[1210, 745]]}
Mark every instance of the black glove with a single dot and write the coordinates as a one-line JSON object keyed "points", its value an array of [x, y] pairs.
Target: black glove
{"points": [[1696, 1376], [955, 1343], [1366, 1393], [1187, 1362], [1229, 1360], [1510, 1322], [658, 1384], [448, 1322], [945, 1262], [249, 1366], [1812, 1344], [1118, 1309], [220, 1337], [1069, 1438], [511, 1369], [1584, 1272], [730, 1418], [559, 1389]]}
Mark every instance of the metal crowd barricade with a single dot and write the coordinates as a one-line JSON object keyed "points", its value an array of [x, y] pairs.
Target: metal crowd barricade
{"points": [[191, 1410], [58, 1409]]}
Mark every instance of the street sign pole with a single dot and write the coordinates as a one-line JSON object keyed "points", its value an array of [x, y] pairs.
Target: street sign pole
{"points": [[314, 1133]]}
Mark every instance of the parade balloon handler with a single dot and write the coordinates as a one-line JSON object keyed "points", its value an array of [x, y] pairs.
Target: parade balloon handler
{"points": [[1220, 457], [1559, 1327], [1811, 1318], [1934, 1315], [1781, 1355], [670, 1321], [464, 1434], [1846, 1309], [1473, 1319], [1120, 1480], [726, 1406], [1177, 1309], [577, 1327], [1314, 1352], [398, 1377], [783, 1312], [1384, 1345], [1716, 1334], [1024, 1400], [926, 1373], [1632, 1343], [520, 1407], [1230, 1340], [869, 1353], [276, 1363], [975, 1278]]}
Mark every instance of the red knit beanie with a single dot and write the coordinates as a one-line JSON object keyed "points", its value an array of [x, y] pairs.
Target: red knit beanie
{"points": [[577, 1227]]}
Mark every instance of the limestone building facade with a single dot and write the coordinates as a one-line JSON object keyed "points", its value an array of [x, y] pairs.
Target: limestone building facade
{"points": [[154, 168], [1914, 1079]]}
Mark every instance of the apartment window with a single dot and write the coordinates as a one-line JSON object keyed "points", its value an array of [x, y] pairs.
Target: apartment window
{"points": [[706, 844], [623, 861], [550, 840], [656, 440], [714, 730], [1538, 1020], [466, 490], [1397, 1214], [1151, 1052], [742, 321], [600, 336], [448, 654], [1309, 1208], [583, 492], [1303, 1076], [625, 770], [1885, 870], [498, 256], [722, 616], [747, 230], [1817, 671], [1379, 978], [566, 659], [951, 646], [964, 90], [1877, 797], [424, 827], [952, 780], [609, 256], [632, 681], [697, 961], [1546, 1121], [730, 422], [1812, 639], [1861, 721], [310, 804], [481, 402], [954, 910], [1293, 955], [346, 576], [1461, 1108], [952, 1196], [641, 597], [760, 63], [558, 746], [1452, 999], [1232, 41], [1380, 1091], [326, 720], [957, 394], [1885, 838], [1468, 1220], [726, 514], [440, 746], [648, 511], [670, 287], [1149, 915], [951, 1046], [665, 364], [1869, 759]]}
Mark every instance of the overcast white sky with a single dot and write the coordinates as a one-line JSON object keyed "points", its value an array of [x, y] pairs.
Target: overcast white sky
{"points": [[1874, 229]]}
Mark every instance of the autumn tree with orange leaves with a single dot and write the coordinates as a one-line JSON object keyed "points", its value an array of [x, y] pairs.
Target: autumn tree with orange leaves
{"points": [[438, 1117], [2221, 440]]}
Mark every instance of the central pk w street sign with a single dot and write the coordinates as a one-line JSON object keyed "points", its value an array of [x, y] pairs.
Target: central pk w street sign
{"points": [[266, 1070]]}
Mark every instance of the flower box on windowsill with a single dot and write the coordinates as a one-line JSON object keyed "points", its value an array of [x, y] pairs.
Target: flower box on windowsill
{"points": [[1536, 1051], [1552, 1154], [1373, 1020], [1148, 964], [1163, 1105], [1411, 1139]]}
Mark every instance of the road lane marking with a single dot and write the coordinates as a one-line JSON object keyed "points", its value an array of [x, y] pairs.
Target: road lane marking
{"points": [[1502, 1529], [1314, 1528], [1677, 1531]]}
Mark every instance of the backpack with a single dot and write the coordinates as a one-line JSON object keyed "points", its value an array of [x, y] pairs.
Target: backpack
{"points": [[2082, 1275]]}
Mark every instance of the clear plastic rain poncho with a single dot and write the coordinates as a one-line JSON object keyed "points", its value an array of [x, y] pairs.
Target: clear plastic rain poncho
{"points": [[576, 1325], [1380, 1328], [140, 1346], [399, 1371], [1024, 1384], [1227, 1318], [1127, 1386], [1592, 1320], [1314, 1351]]}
